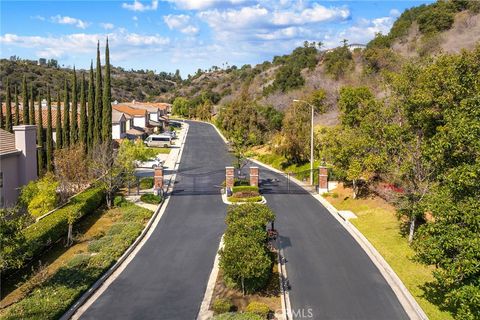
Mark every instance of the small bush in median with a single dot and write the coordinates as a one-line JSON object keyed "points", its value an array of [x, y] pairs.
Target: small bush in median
{"points": [[251, 199], [238, 316], [222, 306], [258, 308], [244, 189], [146, 183], [151, 198]]}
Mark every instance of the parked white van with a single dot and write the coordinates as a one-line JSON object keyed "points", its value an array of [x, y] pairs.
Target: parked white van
{"points": [[158, 140]]}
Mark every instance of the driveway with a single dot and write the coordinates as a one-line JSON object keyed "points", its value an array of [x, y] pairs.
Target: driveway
{"points": [[168, 277]]}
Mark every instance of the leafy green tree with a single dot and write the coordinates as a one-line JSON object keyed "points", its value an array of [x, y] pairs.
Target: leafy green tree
{"points": [[31, 111], [338, 61], [181, 106], [83, 130], [97, 129], [8, 109], [91, 112], [40, 196], [49, 139], [66, 116], [26, 116], [11, 239], [107, 101], [354, 103], [17, 109], [1, 115], [41, 149], [204, 111], [58, 124], [74, 117]]}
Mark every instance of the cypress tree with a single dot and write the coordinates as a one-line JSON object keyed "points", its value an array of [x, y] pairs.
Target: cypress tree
{"points": [[26, 116], [40, 150], [107, 100], [58, 124], [8, 109], [49, 142], [17, 109], [91, 102], [74, 117], [31, 112], [1, 114], [82, 132], [66, 116], [97, 130]]}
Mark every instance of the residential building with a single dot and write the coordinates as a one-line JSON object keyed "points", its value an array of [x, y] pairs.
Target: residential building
{"points": [[18, 162], [119, 125]]}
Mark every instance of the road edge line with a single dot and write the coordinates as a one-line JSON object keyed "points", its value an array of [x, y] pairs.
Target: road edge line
{"points": [[408, 302], [83, 303]]}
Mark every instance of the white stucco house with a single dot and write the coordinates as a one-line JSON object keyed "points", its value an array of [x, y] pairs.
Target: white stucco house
{"points": [[119, 125]]}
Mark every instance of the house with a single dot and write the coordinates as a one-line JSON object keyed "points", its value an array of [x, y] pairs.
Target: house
{"points": [[138, 125], [119, 125], [18, 162], [157, 113]]}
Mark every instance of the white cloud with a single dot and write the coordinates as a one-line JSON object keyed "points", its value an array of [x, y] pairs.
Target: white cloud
{"points": [[395, 13], [138, 6], [38, 17], [190, 30], [205, 4], [246, 17], [69, 20], [176, 21], [315, 14], [135, 18], [107, 25], [361, 32]]}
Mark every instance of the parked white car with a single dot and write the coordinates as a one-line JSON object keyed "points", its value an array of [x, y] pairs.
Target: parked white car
{"points": [[152, 163], [172, 134]]}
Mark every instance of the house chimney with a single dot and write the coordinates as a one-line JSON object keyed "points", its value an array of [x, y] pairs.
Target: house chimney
{"points": [[26, 142]]}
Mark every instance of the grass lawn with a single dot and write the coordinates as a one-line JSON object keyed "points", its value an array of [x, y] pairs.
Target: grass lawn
{"points": [[156, 150], [378, 223]]}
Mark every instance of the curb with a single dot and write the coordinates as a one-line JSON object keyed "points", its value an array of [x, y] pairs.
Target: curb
{"points": [[408, 302], [91, 291]]}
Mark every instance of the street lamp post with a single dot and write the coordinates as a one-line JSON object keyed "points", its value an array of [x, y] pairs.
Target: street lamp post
{"points": [[311, 138]]}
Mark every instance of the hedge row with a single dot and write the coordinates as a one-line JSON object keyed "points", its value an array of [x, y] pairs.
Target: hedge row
{"points": [[244, 189], [43, 233]]}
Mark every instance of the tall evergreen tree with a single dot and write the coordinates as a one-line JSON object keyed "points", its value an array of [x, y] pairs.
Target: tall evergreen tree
{"points": [[74, 117], [58, 124], [97, 130], [31, 111], [17, 109], [82, 132], [49, 138], [107, 101], [1, 114], [40, 150], [66, 116], [91, 108], [26, 116], [8, 109]]}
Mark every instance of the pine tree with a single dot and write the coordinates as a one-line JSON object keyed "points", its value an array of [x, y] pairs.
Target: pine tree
{"points": [[107, 101], [1, 114], [17, 109], [66, 116], [91, 102], [74, 117], [31, 111], [26, 116], [49, 141], [97, 129], [58, 125], [8, 109], [40, 150], [82, 132]]}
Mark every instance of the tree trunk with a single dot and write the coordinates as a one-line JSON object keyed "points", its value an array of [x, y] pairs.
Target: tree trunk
{"points": [[412, 229], [109, 200], [243, 287], [354, 188], [70, 235]]}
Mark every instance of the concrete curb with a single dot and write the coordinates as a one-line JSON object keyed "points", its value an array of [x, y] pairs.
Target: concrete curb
{"points": [[225, 200], [408, 302], [154, 219]]}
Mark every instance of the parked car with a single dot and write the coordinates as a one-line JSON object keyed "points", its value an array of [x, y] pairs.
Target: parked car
{"points": [[159, 140], [172, 134], [152, 163]]}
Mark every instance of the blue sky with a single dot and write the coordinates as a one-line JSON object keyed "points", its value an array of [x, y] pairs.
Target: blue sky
{"points": [[186, 34]]}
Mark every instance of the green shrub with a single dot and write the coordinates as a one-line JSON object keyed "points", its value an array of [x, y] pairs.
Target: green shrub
{"points": [[251, 199], [119, 201], [258, 308], [338, 61], [146, 183], [238, 316], [222, 306], [43, 233], [244, 189], [151, 198]]}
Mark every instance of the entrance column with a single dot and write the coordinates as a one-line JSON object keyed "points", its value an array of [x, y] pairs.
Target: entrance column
{"points": [[229, 178], [322, 179], [254, 176], [158, 180]]}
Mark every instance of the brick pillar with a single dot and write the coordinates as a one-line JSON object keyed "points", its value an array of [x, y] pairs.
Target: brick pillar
{"points": [[323, 178], [229, 177], [254, 176], [158, 179]]}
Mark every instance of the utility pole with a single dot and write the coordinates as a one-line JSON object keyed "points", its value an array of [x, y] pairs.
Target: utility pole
{"points": [[311, 138]]}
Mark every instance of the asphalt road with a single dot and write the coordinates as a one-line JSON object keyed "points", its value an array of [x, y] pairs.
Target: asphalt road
{"points": [[330, 276], [168, 277]]}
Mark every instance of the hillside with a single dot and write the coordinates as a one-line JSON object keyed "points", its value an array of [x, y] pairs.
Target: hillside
{"points": [[126, 85], [419, 33]]}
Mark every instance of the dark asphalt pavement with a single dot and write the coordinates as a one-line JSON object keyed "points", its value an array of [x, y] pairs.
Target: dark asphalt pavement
{"points": [[168, 277], [331, 277]]}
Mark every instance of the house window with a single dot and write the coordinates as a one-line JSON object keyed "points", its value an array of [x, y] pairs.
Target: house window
{"points": [[123, 127]]}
